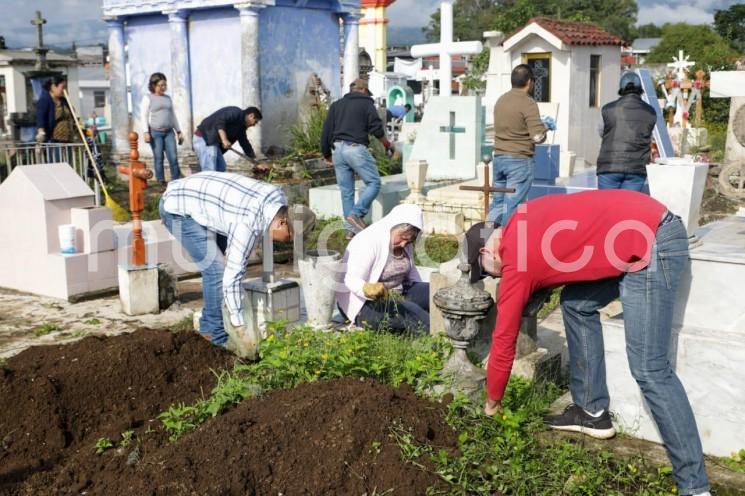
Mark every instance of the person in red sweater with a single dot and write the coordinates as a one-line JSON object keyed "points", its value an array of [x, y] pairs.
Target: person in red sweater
{"points": [[600, 245]]}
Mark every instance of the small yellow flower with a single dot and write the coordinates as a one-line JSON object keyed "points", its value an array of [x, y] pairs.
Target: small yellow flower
{"points": [[324, 357]]}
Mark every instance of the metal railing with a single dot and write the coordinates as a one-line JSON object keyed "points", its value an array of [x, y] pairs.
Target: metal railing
{"points": [[14, 155]]}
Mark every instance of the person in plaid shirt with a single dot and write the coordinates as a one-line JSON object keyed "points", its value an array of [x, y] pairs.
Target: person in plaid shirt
{"points": [[217, 217]]}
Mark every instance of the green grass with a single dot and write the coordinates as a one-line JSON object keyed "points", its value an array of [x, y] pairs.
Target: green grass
{"points": [[437, 248], [735, 462], [717, 140], [551, 303], [500, 455], [45, 328], [185, 324], [103, 444]]}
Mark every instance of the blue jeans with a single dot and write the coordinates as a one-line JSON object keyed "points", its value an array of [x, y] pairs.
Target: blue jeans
{"points": [[647, 297], [160, 140], [509, 172], [621, 180], [410, 315], [210, 157], [203, 246], [351, 158]]}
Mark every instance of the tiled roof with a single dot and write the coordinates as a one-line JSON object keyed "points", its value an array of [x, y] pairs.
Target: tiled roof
{"points": [[577, 33]]}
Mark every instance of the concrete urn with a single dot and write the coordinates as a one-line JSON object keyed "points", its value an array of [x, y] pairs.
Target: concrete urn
{"points": [[318, 275], [463, 306]]}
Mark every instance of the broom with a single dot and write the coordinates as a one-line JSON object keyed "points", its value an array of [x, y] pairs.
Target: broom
{"points": [[118, 213]]}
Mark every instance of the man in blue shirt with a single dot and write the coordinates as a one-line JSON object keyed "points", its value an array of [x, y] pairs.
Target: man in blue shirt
{"points": [[397, 112]]}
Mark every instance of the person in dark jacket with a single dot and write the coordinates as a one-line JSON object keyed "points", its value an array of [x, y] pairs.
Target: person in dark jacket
{"points": [[54, 120], [217, 133], [628, 124], [344, 144]]}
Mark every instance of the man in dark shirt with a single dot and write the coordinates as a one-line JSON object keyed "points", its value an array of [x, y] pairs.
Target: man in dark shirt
{"points": [[345, 138], [217, 133], [628, 124]]}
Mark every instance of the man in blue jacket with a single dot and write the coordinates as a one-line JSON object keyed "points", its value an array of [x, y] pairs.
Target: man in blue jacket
{"points": [[344, 144]]}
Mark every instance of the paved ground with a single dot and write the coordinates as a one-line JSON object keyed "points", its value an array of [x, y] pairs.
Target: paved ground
{"points": [[28, 320]]}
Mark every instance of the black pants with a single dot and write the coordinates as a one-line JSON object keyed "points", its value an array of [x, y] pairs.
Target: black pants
{"points": [[408, 316]]}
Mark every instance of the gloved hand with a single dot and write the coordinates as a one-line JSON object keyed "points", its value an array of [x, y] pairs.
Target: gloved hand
{"points": [[374, 290], [549, 122]]}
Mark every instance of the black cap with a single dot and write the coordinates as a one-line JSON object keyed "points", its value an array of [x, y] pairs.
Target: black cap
{"points": [[474, 240]]}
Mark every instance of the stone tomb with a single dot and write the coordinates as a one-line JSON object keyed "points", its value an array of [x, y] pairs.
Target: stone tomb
{"points": [[708, 344], [34, 201], [731, 84]]}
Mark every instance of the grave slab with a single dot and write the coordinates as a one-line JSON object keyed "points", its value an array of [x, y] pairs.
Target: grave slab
{"points": [[449, 137]]}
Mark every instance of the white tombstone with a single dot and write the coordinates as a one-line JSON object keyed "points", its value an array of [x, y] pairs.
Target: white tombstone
{"points": [[449, 137], [731, 84], [446, 48], [34, 201], [679, 184]]}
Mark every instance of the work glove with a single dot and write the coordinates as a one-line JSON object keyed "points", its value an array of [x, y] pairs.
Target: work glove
{"points": [[549, 122], [374, 290]]}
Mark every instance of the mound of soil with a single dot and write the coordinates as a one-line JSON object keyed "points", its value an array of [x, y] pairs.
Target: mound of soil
{"points": [[57, 400], [329, 437]]}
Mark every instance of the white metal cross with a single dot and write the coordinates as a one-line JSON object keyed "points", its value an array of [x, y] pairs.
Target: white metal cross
{"points": [[446, 48], [681, 65]]}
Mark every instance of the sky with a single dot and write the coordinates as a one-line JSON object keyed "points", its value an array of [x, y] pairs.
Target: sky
{"points": [[80, 20]]}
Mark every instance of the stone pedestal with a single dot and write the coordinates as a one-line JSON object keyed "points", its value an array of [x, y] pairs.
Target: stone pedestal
{"points": [[319, 272], [138, 289], [679, 184], [416, 176]]}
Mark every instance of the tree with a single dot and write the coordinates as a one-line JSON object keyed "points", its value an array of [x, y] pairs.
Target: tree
{"points": [[730, 24], [470, 19], [700, 42], [650, 30]]}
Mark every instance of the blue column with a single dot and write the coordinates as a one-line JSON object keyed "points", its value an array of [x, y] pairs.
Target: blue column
{"points": [[118, 89], [180, 83]]}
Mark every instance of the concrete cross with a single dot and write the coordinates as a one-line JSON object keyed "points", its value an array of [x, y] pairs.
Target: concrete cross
{"points": [[446, 48], [452, 130], [39, 21], [681, 65]]}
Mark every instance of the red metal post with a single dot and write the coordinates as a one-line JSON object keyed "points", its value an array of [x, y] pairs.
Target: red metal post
{"points": [[138, 176]]}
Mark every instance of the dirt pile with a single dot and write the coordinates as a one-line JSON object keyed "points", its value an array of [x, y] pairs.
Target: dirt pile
{"points": [[55, 401], [330, 438]]}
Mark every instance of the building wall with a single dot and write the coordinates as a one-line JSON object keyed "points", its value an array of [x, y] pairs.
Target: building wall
{"points": [[215, 57], [294, 43], [148, 50], [561, 77], [577, 122], [584, 138]]}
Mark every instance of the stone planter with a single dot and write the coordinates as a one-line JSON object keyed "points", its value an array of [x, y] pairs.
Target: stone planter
{"points": [[679, 184], [318, 275]]}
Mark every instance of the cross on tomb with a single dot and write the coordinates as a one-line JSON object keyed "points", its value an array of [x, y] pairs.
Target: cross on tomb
{"points": [[446, 48], [681, 65], [486, 188], [41, 52], [39, 21], [452, 130]]}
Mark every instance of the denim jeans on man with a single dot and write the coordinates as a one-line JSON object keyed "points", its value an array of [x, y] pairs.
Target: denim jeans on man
{"points": [[647, 297], [350, 158], [210, 157], [622, 180], [410, 315], [509, 171], [204, 248], [160, 141]]}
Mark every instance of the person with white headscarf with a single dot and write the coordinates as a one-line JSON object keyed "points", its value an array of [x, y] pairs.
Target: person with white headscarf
{"points": [[381, 288]]}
